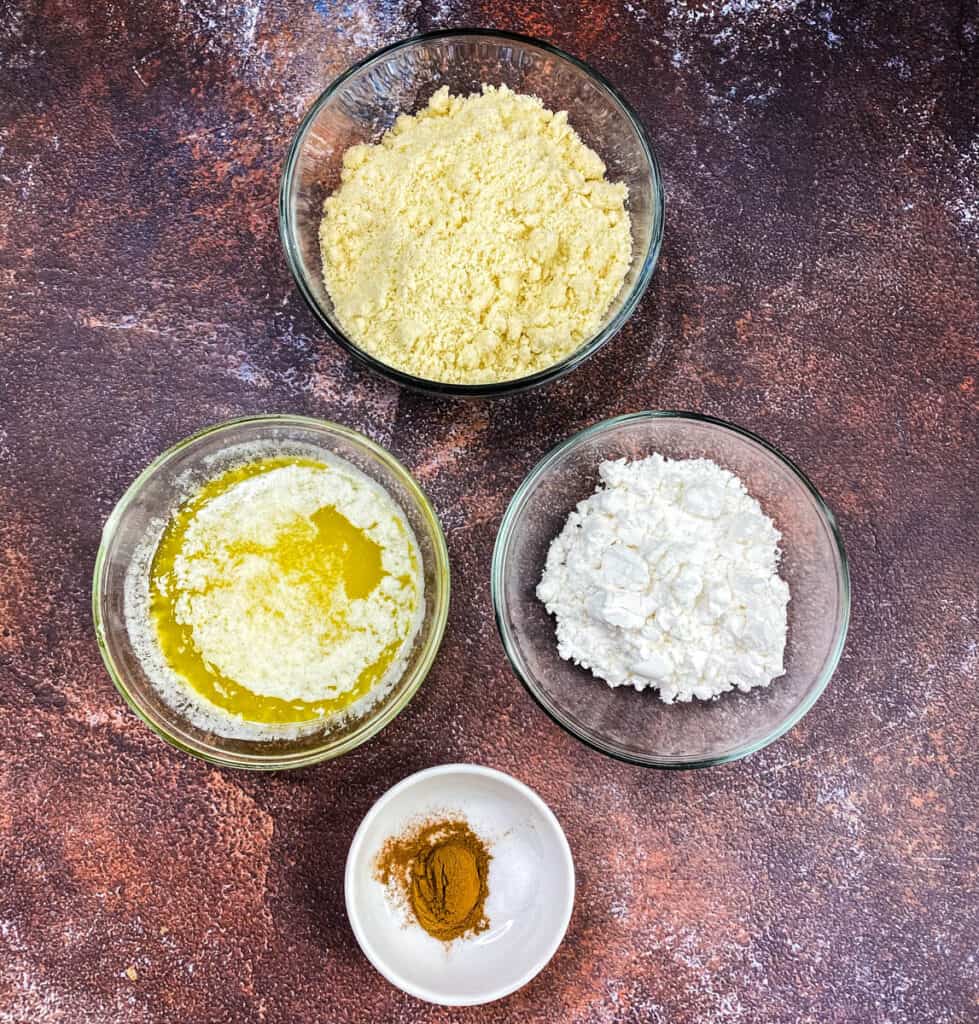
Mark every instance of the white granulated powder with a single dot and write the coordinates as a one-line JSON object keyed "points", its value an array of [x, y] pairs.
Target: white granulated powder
{"points": [[667, 576]]}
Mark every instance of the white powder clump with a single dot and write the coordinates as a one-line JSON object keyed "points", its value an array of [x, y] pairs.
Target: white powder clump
{"points": [[667, 577]]}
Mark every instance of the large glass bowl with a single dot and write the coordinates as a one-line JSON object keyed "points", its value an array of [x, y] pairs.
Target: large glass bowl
{"points": [[638, 727], [362, 104], [142, 513]]}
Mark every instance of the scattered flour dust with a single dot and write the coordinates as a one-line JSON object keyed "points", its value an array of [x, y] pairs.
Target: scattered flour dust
{"points": [[738, 29], [667, 577]]}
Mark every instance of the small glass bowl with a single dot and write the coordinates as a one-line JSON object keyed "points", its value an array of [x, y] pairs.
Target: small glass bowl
{"points": [[639, 727], [362, 104], [154, 496]]}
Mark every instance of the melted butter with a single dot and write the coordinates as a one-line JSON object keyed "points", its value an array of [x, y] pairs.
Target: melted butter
{"points": [[318, 554]]}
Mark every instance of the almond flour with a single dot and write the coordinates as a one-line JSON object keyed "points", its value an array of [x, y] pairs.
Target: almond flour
{"points": [[479, 240]]}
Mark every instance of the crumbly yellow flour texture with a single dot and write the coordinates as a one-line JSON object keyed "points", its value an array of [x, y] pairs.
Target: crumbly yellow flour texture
{"points": [[478, 241]]}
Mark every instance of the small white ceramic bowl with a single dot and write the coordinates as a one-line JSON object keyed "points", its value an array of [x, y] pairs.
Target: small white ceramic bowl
{"points": [[531, 887]]}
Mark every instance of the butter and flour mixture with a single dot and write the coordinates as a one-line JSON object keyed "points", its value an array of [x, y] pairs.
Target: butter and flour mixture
{"points": [[478, 241], [283, 592], [667, 577]]}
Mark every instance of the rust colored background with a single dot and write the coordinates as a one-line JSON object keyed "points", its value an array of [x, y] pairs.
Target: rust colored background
{"points": [[818, 285]]}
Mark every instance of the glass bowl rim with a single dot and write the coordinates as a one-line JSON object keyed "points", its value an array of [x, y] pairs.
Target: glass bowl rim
{"points": [[506, 529], [370, 727], [288, 236]]}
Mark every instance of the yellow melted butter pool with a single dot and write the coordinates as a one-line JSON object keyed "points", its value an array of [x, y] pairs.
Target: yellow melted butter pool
{"points": [[318, 553]]}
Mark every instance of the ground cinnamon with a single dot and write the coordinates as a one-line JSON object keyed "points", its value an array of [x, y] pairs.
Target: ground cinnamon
{"points": [[440, 869]]}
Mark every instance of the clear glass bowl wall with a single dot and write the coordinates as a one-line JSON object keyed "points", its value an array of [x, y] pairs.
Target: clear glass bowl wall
{"points": [[152, 499], [363, 104]]}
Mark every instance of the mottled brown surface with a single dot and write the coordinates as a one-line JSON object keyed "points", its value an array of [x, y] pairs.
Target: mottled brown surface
{"points": [[818, 285]]}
